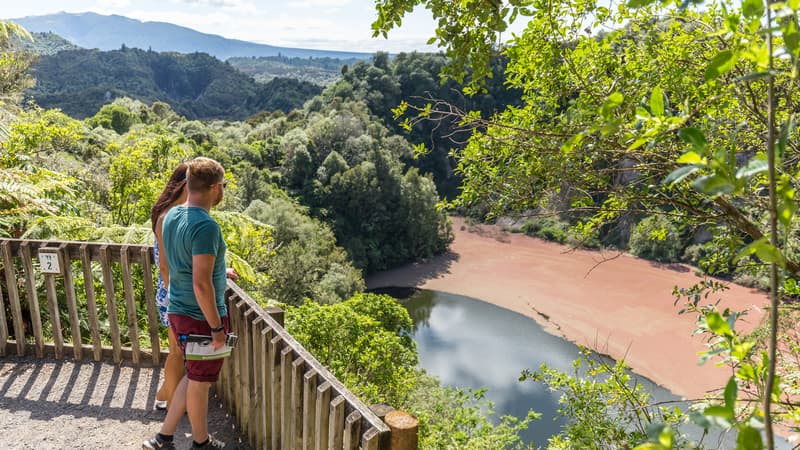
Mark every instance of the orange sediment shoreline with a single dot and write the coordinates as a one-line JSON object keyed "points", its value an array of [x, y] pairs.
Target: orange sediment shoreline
{"points": [[614, 303]]}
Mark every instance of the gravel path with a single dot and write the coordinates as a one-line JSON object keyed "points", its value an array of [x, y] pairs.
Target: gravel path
{"points": [[51, 404]]}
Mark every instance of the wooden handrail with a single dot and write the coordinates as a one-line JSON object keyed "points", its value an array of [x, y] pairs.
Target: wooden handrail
{"points": [[280, 395]]}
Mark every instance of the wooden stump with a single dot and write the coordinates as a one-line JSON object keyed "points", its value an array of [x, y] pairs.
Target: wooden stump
{"points": [[404, 430]]}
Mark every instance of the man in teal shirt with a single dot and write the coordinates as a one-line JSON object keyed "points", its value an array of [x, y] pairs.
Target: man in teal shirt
{"points": [[195, 252]]}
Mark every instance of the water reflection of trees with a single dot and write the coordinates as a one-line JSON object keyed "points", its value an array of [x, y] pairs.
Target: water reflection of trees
{"points": [[419, 303], [419, 306]]}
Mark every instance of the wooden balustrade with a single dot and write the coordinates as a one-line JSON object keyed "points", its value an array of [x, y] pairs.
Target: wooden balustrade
{"points": [[95, 284], [70, 297]]}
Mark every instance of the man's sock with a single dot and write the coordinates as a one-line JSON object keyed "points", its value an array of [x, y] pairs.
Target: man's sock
{"points": [[200, 444], [165, 437]]}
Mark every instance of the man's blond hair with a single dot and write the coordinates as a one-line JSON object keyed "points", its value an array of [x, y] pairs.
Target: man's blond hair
{"points": [[203, 173]]}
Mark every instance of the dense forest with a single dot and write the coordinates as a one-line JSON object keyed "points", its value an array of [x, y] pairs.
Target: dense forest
{"points": [[43, 44], [196, 85]]}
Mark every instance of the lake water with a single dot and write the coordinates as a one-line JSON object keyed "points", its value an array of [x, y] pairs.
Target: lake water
{"points": [[468, 343]]}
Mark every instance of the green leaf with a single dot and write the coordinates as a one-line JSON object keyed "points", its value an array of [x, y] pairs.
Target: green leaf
{"points": [[731, 390], [693, 136], [720, 64], [719, 411], [752, 76], [718, 325], [740, 351], [639, 3], [690, 157], [786, 130], [713, 185], [638, 143], [568, 146], [677, 175], [791, 37], [764, 251], [747, 372], [657, 102], [756, 165], [749, 439], [752, 8], [612, 102], [651, 446], [787, 206], [660, 433]]}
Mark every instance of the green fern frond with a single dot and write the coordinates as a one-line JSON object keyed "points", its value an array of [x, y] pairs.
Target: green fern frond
{"points": [[10, 29], [72, 228]]}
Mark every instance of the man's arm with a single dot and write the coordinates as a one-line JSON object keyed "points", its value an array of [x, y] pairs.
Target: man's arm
{"points": [[203, 266]]}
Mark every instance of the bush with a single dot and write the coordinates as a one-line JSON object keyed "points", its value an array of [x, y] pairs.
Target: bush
{"points": [[307, 262], [456, 418], [548, 228], [657, 238], [364, 342]]}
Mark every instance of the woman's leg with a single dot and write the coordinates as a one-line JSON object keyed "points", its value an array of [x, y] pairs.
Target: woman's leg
{"points": [[173, 369]]}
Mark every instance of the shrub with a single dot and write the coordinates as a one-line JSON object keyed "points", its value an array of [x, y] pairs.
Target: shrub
{"points": [[547, 227], [656, 237]]}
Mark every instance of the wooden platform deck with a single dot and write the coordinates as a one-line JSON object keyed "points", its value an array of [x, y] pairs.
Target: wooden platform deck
{"points": [[51, 404]]}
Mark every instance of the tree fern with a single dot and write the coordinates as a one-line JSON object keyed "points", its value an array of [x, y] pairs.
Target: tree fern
{"points": [[9, 30]]}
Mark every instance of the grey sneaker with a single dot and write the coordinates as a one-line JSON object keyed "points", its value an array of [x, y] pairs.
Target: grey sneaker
{"points": [[213, 444], [155, 443]]}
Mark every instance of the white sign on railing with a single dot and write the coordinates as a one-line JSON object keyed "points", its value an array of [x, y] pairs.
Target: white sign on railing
{"points": [[48, 261]]}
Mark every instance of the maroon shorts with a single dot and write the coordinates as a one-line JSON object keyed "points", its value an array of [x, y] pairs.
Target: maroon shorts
{"points": [[206, 370]]}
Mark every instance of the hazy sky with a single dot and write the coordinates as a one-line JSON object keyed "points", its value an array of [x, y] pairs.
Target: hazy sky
{"points": [[321, 24]]}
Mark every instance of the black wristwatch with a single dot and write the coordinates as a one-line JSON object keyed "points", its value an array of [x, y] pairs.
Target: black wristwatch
{"points": [[218, 329]]}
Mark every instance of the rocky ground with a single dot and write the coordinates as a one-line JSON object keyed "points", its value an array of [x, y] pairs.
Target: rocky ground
{"points": [[50, 404]]}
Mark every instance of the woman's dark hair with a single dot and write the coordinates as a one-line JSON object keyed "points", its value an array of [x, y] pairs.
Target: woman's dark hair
{"points": [[172, 191]]}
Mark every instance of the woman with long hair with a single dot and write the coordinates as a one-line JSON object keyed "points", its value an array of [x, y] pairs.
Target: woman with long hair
{"points": [[174, 194]]}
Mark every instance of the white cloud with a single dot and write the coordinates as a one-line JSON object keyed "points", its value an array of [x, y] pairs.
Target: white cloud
{"points": [[244, 6], [214, 23], [306, 4], [113, 3]]}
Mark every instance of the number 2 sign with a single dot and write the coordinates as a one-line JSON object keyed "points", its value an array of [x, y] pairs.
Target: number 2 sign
{"points": [[48, 261]]}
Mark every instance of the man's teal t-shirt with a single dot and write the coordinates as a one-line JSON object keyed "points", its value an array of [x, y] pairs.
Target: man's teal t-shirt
{"points": [[189, 231]]}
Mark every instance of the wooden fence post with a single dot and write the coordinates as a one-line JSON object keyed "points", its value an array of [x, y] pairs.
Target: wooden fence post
{"points": [[404, 430]]}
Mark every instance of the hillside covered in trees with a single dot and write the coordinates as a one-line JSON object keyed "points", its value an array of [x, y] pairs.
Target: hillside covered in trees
{"points": [[196, 85], [42, 43]]}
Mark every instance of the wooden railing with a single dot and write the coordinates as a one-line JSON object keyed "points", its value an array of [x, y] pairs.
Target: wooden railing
{"points": [[280, 395]]}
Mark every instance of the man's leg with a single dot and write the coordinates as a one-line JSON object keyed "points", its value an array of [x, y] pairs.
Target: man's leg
{"points": [[197, 408]]}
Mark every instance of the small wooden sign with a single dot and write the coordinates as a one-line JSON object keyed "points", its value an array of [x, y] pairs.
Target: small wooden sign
{"points": [[48, 261]]}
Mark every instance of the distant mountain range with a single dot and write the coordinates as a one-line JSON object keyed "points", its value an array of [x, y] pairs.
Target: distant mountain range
{"points": [[90, 30]]}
